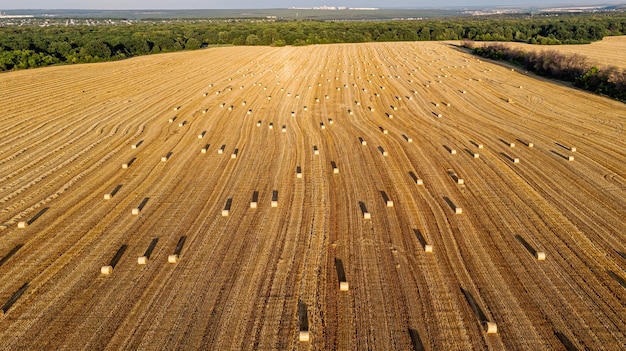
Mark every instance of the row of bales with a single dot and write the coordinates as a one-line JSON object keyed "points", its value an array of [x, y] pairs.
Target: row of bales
{"points": [[427, 247]]}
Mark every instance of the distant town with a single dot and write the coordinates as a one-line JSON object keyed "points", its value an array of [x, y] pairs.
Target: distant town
{"points": [[59, 18]]}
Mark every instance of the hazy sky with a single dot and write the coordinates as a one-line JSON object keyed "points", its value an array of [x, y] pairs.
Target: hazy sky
{"points": [[233, 4]]}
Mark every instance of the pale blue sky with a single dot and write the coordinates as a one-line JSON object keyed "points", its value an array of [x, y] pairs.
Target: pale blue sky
{"points": [[234, 4]]}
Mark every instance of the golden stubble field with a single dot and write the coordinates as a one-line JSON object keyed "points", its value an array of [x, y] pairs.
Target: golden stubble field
{"points": [[389, 196], [608, 52]]}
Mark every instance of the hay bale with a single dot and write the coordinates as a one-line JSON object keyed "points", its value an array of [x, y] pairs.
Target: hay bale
{"points": [[304, 336], [274, 203], [367, 215], [344, 286], [22, 225], [258, 123], [271, 126], [163, 158], [135, 211], [460, 181], [124, 165], [491, 327], [142, 260], [570, 158], [476, 155], [428, 248], [389, 203], [572, 149], [253, 204], [452, 151], [458, 210], [107, 196], [106, 270], [284, 130], [225, 213], [515, 160], [541, 256], [511, 144], [419, 182], [172, 258], [531, 145]]}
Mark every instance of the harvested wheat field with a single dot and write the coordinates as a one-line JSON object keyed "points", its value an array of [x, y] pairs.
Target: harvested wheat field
{"points": [[390, 196], [608, 52]]}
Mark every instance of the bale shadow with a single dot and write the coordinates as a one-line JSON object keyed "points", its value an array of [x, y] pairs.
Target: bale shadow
{"points": [[559, 154], [179, 246], [10, 253], [384, 196], [118, 255], [341, 273], [475, 143], [474, 306], [151, 247], [143, 203], [363, 207], [567, 343], [14, 298], [116, 190], [568, 148], [416, 341], [229, 203], [413, 176], [506, 156], [420, 237], [130, 163], [617, 278], [507, 143], [303, 316], [450, 203], [36, 216], [526, 245]]}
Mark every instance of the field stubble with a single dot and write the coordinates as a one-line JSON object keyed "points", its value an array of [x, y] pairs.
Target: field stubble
{"points": [[239, 278]]}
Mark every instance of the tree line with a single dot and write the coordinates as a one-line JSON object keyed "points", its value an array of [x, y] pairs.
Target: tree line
{"points": [[28, 47], [610, 81]]}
